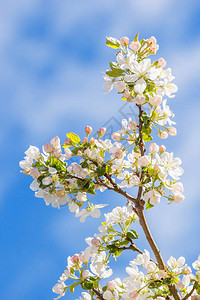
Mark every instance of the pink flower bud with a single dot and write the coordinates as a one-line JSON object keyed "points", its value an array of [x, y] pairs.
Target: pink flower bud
{"points": [[124, 41], [172, 131], [178, 198], [96, 242], [177, 188], [155, 101], [57, 153], [156, 168], [68, 153], [68, 141], [135, 46], [162, 273], [115, 136], [84, 141], [154, 49], [88, 130], [48, 148], [60, 193], [130, 99], [85, 274], [34, 173], [101, 131], [187, 270], [133, 295], [143, 160], [132, 125], [152, 40], [55, 142], [111, 285], [139, 99], [163, 134], [162, 149], [153, 148], [79, 153], [75, 259], [119, 154], [161, 63]]}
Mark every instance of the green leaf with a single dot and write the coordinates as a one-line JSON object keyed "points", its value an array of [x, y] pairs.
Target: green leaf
{"points": [[91, 189], [117, 253], [132, 234], [112, 42], [115, 73], [74, 137], [149, 205], [136, 37], [101, 171], [84, 164], [71, 288], [88, 285]]}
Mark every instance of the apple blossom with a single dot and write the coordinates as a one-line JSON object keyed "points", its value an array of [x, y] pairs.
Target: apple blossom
{"points": [[130, 159]]}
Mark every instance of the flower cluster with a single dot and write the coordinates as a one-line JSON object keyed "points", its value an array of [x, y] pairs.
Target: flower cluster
{"points": [[68, 173], [88, 268]]}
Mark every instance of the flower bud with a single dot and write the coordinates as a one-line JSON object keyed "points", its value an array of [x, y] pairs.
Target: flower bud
{"points": [[156, 168], [88, 130], [143, 160], [162, 149], [101, 131], [115, 136], [162, 273], [79, 153], [48, 148], [85, 274], [153, 148], [152, 40], [124, 41], [155, 101], [135, 46], [96, 242], [68, 153], [75, 259], [60, 193], [139, 99], [187, 270], [154, 49], [178, 198], [55, 142], [84, 141], [172, 131], [68, 141], [34, 173], [119, 154], [111, 285], [132, 125], [163, 134], [133, 295], [57, 153], [161, 63], [120, 86]]}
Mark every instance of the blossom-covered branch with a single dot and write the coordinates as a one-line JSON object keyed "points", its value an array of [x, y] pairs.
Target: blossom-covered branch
{"points": [[129, 160]]}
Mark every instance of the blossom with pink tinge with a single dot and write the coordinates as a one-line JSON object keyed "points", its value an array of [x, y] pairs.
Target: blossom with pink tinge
{"points": [[124, 41]]}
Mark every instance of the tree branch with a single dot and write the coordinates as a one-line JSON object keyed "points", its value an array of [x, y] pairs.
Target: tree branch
{"points": [[98, 294]]}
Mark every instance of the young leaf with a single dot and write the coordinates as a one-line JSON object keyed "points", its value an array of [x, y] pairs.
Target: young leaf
{"points": [[74, 137], [112, 42]]}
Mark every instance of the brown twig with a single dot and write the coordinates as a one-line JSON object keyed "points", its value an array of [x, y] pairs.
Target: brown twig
{"points": [[98, 294]]}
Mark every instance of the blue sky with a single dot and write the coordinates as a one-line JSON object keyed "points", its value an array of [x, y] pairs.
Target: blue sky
{"points": [[52, 54]]}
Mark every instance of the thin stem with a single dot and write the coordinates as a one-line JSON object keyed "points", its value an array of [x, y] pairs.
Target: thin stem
{"points": [[98, 294]]}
